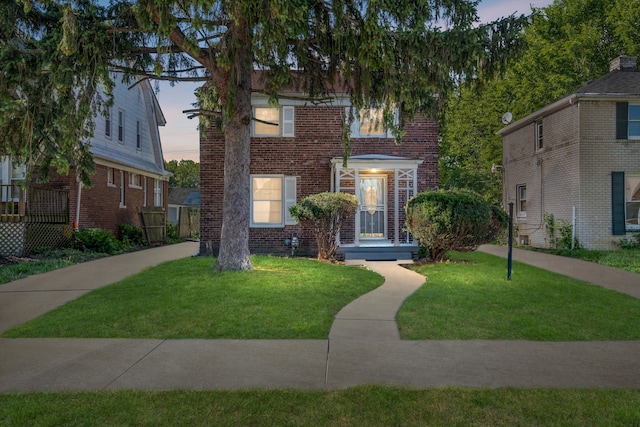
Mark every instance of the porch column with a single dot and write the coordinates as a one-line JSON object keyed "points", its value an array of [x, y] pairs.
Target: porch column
{"points": [[356, 188], [396, 201]]}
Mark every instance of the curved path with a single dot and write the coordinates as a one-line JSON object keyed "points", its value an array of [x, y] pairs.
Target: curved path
{"points": [[363, 346]]}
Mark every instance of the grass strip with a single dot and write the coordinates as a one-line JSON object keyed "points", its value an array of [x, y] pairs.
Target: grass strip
{"points": [[366, 406], [280, 299], [470, 298]]}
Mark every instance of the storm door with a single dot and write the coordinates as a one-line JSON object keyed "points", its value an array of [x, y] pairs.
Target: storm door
{"points": [[373, 207]]}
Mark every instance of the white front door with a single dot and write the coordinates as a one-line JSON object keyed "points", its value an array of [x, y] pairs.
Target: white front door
{"points": [[372, 195]]}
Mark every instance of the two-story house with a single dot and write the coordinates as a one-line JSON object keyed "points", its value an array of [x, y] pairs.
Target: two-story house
{"points": [[296, 151], [578, 159], [129, 176]]}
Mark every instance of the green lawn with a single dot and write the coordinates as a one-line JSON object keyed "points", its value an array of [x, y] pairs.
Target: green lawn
{"points": [[361, 406], [280, 299], [473, 300]]}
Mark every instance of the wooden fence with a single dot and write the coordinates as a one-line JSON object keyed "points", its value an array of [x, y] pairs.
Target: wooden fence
{"points": [[35, 205]]}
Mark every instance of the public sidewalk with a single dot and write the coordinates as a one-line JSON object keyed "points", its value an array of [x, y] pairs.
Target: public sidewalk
{"points": [[363, 347]]}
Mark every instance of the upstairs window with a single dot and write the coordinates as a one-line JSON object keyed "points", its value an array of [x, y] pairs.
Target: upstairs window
{"points": [[273, 122], [369, 124], [121, 126], [138, 134], [539, 135], [627, 120], [107, 124]]}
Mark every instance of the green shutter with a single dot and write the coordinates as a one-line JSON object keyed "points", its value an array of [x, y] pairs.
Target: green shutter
{"points": [[622, 117], [617, 203]]}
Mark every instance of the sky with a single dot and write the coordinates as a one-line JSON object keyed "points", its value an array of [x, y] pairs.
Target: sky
{"points": [[180, 135]]}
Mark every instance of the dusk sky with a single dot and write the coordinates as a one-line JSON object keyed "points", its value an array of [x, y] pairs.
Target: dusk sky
{"points": [[180, 135]]}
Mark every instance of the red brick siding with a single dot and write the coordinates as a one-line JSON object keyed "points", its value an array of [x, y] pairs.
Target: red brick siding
{"points": [[100, 203], [307, 156]]}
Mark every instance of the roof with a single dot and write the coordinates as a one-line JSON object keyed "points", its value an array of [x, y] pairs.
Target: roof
{"points": [[184, 196], [616, 84]]}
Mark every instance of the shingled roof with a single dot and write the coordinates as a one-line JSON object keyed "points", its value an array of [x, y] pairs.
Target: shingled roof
{"points": [[623, 79]]}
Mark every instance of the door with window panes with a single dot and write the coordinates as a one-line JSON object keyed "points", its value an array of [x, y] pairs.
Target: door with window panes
{"points": [[373, 207]]}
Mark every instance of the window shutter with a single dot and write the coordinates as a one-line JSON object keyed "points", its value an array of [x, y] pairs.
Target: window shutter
{"points": [[289, 199], [622, 117], [288, 121], [617, 203]]}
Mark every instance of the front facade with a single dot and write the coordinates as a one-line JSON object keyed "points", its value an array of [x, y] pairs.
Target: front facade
{"points": [[300, 154], [129, 175], [578, 160]]}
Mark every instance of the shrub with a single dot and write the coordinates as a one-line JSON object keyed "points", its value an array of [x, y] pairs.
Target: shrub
{"points": [[457, 220], [131, 235], [326, 211], [97, 240], [630, 243], [172, 233]]}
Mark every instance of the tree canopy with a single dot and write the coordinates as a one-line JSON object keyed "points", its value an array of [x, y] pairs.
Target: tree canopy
{"points": [[400, 55], [186, 173]]}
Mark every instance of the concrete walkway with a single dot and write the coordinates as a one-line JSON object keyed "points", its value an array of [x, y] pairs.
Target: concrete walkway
{"points": [[363, 346]]}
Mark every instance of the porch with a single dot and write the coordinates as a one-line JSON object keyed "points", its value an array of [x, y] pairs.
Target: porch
{"points": [[32, 218], [383, 185]]}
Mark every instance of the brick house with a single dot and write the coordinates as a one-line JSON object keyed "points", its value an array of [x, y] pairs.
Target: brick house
{"points": [[301, 155], [579, 154], [129, 173]]}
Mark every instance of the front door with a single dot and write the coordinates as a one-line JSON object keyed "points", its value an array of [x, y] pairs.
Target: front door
{"points": [[372, 195]]}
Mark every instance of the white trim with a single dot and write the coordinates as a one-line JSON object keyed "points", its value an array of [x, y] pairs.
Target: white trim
{"points": [[279, 224], [290, 198], [288, 120]]}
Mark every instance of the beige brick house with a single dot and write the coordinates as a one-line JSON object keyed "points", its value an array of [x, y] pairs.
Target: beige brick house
{"points": [[300, 154], [578, 159]]}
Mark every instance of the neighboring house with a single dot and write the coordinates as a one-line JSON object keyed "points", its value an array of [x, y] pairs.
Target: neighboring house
{"points": [[129, 175], [300, 154], [181, 198], [580, 154]]}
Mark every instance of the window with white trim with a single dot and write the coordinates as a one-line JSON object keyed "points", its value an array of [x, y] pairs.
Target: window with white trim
{"points": [[12, 174], [632, 201], [273, 122], [121, 126], [138, 134], [634, 121], [627, 120], [122, 191], [135, 180], [157, 192], [369, 123], [271, 198], [521, 200]]}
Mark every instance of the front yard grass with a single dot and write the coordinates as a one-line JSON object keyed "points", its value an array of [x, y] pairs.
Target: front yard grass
{"points": [[470, 298], [359, 406], [280, 299]]}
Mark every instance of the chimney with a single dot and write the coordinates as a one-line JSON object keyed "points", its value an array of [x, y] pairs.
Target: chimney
{"points": [[623, 63]]}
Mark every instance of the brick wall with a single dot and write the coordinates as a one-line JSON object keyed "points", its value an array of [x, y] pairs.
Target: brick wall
{"points": [[307, 156], [100, 204]]}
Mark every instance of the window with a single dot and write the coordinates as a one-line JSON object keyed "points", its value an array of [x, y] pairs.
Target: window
{"points": [[107, 124], [369, 124], [521, 200], [121, 126], [110, 178], [273, 121], [632, 201], [539, 135], [138, 135], [135, 180], [12, 175], [271, 198], [122, 191], [144, 191], [157, 192], [627, 120]]}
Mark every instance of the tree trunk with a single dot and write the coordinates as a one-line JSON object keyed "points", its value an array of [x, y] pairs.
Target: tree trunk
{"points": [[234, 237]]}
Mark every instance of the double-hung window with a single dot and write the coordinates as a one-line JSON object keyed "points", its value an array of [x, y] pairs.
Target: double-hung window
{"points": [[274, 122], [539, 135], [110, 178], [157, 192], [121, 126], [135, 180], [107, 124], [271, 198], [521, 200], [632, 201], [138, 134], [369, 123]]}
